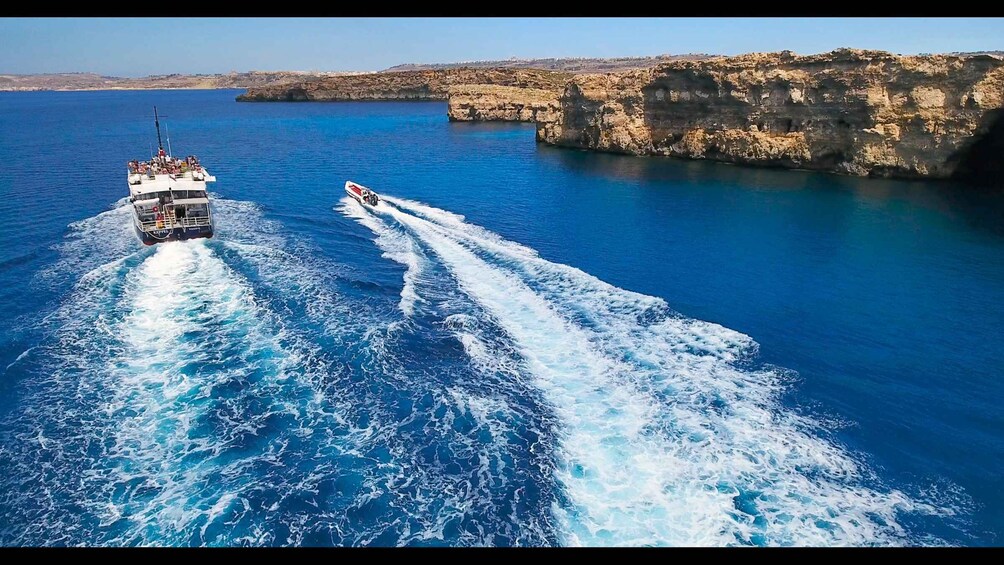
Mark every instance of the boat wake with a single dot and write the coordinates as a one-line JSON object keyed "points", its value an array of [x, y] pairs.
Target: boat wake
{"points": [[397, 247], [245, 391], [165, 382], [235, 391], [667, 432]]}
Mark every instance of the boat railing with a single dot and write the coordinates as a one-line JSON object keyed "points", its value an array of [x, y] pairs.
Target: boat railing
{"points": [[173, 222]]}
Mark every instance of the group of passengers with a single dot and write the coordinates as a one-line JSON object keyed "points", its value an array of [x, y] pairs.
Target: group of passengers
{"points": [[165, 165]]}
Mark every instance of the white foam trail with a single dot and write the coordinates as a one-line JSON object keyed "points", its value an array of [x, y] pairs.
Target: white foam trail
{"points": [[487, 358], [80, 251], [166, 369], [396, 247], [131, 382], [243, 222], [291, 267], [18, 359], [174, 298], [663, 439]]}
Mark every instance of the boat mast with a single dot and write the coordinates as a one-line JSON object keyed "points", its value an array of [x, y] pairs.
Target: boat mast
{"points": [[156, 122]]}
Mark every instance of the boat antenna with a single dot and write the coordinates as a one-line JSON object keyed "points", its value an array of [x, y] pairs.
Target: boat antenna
{"points": [[156, 122], [168, 132]]}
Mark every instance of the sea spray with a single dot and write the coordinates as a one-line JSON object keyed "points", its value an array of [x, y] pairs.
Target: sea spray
{"points": [[396, 247], [666, 435], [225, 391]]}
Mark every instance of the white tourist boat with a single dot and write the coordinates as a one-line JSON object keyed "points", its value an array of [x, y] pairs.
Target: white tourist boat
{"points": [[169, 197], [363, 195]]}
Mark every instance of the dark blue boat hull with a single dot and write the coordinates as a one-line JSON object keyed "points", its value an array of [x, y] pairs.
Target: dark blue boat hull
{"points": [[174, 234]]}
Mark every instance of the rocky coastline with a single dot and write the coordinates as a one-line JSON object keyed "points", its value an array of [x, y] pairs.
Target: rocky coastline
{"points": [[403, 85], [865, 113], [491, 103], [855, 112]]}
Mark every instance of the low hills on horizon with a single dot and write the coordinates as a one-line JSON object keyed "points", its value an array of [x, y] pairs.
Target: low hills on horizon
{"points": [[94, 81], [233, 79], [250, 79], [564, 64]]}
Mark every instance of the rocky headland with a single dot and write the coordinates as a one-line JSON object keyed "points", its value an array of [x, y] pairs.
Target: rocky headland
{"points": [[849, 111], [856, 112], [491, 103], [403, 85]]}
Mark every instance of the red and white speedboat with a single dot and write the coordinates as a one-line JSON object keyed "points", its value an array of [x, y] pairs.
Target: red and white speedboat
{"points": [[362, 194]]}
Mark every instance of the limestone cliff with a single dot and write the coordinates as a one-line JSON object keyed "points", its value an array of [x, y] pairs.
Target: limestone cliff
{"points": [[848, 111], [405, 85], [487, 103]]}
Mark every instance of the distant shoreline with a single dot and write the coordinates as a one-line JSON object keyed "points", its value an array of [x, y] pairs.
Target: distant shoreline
{"points": [[82, 81], [850, 111], [123, 88], [254, 79], [70, 82]]}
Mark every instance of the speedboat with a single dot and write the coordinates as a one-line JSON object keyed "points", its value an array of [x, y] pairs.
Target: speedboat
{"points": [[362, 194]]}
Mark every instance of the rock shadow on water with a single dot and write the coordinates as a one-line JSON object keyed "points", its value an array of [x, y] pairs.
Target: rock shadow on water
{"points": [[979, 204]]}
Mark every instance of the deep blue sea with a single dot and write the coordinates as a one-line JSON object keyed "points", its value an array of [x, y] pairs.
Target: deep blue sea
{"points": [[529, 346]]}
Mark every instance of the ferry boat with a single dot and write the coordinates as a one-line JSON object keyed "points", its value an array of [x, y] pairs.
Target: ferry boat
{"points": [[362, 194], [169, 197]]}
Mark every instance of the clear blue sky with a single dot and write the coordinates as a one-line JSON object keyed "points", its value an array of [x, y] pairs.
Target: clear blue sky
{"points": [[156, 45]]}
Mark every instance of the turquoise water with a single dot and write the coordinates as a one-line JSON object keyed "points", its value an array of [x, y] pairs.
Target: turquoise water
{"points": [[530, 346]]}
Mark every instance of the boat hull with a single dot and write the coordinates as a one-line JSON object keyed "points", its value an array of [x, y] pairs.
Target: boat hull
{"points": [[355, 191], [173, 234], [355, 196]]}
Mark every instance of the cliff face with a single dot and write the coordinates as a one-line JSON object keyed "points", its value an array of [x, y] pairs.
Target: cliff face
{"points": [[406, 85], [848, 111], [487, 103]]}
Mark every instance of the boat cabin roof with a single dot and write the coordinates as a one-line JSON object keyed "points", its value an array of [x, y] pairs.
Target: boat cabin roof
{"points": [[164, 182]]}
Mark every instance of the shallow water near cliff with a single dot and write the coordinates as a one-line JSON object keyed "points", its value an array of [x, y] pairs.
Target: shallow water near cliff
{"points": [[530, 346]]}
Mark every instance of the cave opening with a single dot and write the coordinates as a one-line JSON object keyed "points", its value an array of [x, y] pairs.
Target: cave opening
{"points": [[981, 162]]}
